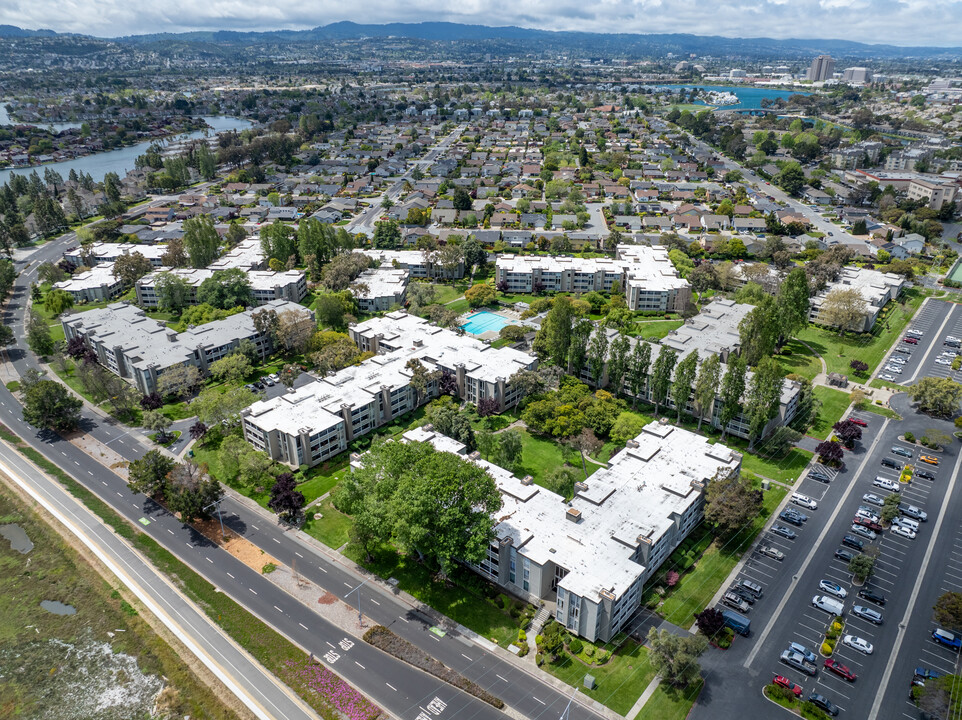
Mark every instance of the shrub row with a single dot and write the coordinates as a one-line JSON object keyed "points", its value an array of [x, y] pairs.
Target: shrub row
{"points": [[384, 639]]}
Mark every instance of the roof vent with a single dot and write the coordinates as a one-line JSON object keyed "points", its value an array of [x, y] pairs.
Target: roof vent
{"points": [[581, 487], [475, 455], [573, 514], [527, 480]]}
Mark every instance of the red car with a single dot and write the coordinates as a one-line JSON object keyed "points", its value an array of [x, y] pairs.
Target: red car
{"points": [[866, 523], [836, 667], [858, 421], [786, 683], [910, 340]]}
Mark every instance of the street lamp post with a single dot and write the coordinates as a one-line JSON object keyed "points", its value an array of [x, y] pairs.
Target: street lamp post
{"points": [[565, 715], [357, 590], [220, 516]]}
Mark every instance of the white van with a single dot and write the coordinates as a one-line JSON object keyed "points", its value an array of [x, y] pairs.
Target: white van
{"points": [[804, 500], [906, 522], [828, 604]]}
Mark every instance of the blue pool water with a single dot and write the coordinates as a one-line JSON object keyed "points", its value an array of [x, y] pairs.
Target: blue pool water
{"points": [[750, 97], [484, 321]]}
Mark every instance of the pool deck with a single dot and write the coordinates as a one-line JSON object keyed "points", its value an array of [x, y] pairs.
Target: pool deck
{"points": [[512, 316]]}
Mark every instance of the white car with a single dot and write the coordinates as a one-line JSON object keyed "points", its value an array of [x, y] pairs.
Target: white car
{"points": [[893, 369], [886, 484], [943, 361], [805, 501], [832, 588], [888, 376], [897, 360], [860, 644], [873, 498], [867, 514], [903, 531]]}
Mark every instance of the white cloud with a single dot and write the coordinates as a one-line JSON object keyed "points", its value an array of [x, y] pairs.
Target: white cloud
{"points": [[898, 22]]}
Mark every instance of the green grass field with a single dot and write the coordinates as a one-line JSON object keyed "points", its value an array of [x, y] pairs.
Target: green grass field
{"points": [[333, 529], [834, 403], [620, 681], [798, 359], [839, 351], [655, 329], [540, 456], [785, 469], [668, 703]]}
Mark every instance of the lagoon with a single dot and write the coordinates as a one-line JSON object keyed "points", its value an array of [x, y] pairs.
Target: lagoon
{"points": [[121, 160], [750, 97]]}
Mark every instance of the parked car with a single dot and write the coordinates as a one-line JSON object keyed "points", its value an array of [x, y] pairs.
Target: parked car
{"points": [[804, 501], [944, 637], [868, 513], [798, 662], [844, 555], [853, 542], [929, 459], [872, 596], [897, 360], [890, 463], [888, 376], [866, 523], [858, 421], [910, 340], [773, 553], [786, 683], [858, 643], [818, 475], [886, 484], [864, 532], [792, 517], [842, 670], [784, 532], [943, 361], [803, 651], [873, 616], [903, 531], [913, 512], [904, 452], [894, 369], [924, 673], [824, 703], [924, 474], [832, 588], [733, 600], [874, 499], [743, 594]]}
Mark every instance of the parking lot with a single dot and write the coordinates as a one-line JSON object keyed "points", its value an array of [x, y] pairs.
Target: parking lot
{"points": [[785, 613], [936, 320]]}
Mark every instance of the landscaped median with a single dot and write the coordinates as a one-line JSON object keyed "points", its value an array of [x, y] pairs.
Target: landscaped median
{"points": [[832, 635], [796, 705]]}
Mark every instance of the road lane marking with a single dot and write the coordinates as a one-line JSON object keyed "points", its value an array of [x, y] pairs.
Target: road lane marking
{"points": [[209, 560], [252, 590], [539, 700], [391, 686], [231, 576], [298, 555], [278, 609], [500, 678], [466, 657], [375, 602], [303, 625], [359, 665]]}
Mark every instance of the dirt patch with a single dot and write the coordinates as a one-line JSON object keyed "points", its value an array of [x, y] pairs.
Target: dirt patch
{"points": [[244, 550], [327, 599]]}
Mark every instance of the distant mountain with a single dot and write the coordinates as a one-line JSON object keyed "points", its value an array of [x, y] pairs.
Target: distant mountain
{"points": [[12, 31], [580, 43]]}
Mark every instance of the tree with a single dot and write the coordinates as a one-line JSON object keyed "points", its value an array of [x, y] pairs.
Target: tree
{"points": [[684, 382], [675, 658], [176, 255], [212, 406], [848, 432], [279, 242], [191, 490], [157, 422], [939, 697], [859, 367], [861, 567], [939, 396], [58, 301], [791, 178], [226, 289], [733, 387], [343, 270], [661, 375], [148, 474], [39, 339], [618, 362], [793, 303], [48, 405], [479, 294], [289, 375], [947, 611], [387, 235], [562, 480], [829, 452], [731, 503], [198, 431], [586, 443], [597, 354], [294, 331], [844, 309], [781, 441], [130, 267], [509, 449], [230, 368], [488, 406], [173, 292], [6, 336], [554, 336], [448, 421], [462, 200], [285, 499], [49, 274], [638, 369], [201, 241], [474, 253], [151, 401], [706, 387], [710, 621], [759, 331], [762, 399], [178, 381]]}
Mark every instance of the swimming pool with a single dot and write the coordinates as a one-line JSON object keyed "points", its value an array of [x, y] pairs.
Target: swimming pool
{"points": [[484, 321]]}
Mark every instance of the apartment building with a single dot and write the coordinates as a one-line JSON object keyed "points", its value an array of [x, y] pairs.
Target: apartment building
{"points": [[266, 285], [588, 560], [318, 421], [876, 289], [97, 253], [416, 262], [644, 274], [934, 192], [383, 288], [94, 285], [140, 349]]}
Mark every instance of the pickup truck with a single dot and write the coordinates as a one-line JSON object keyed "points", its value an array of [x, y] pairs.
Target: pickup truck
{"points": [[798, 661]]}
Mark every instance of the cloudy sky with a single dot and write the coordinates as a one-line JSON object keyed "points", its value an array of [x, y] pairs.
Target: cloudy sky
{"points": [[898, 22]]}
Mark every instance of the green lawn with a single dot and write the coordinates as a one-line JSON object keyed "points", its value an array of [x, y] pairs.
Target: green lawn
{"points": [[880, 410], [322, 478], [465, 598], [668, 703], [798, 359], [333, 529], [460, 306], [539, 456], [784, 469], [445, 293], [834, 403], [698, 586], [619, 682], [838, 351], [655, 329]]}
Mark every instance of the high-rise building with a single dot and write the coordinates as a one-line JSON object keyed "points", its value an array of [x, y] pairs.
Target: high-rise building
{"points": [[823, 67], [857, 75]]}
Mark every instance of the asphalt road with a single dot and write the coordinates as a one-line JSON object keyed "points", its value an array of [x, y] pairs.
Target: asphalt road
{"points": [[785, 614], [392, 684], [258, 689]]}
